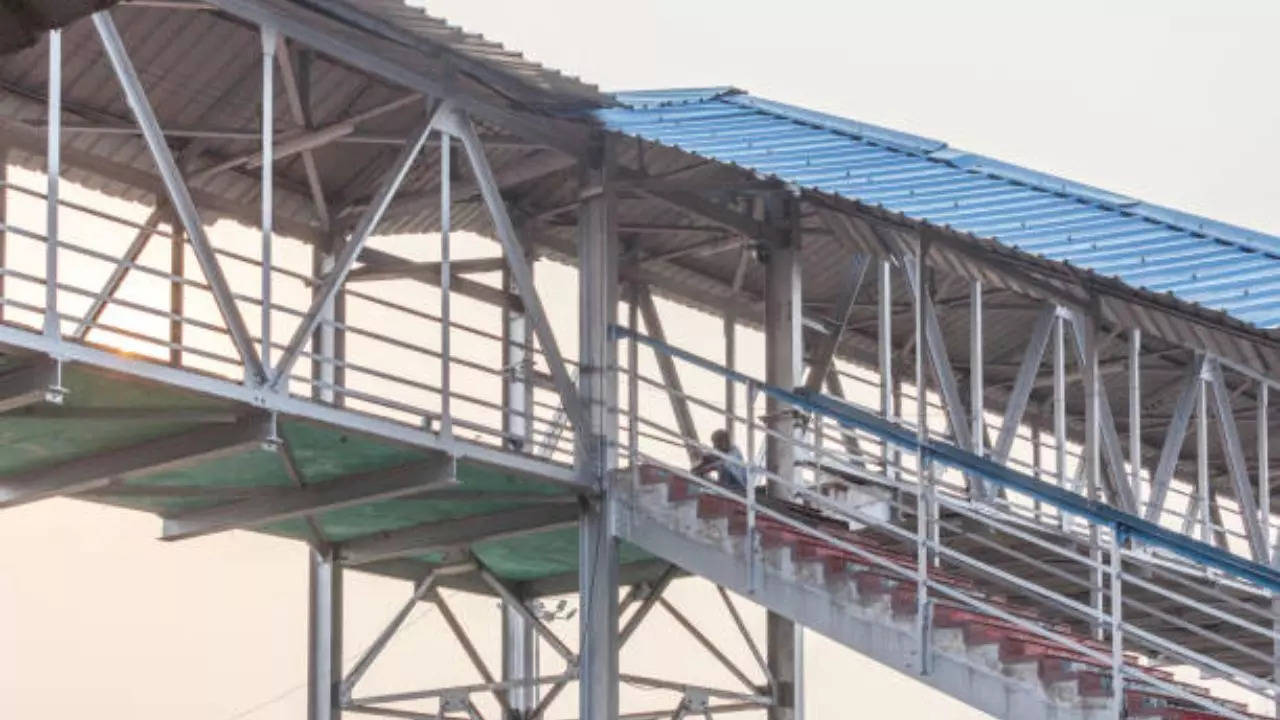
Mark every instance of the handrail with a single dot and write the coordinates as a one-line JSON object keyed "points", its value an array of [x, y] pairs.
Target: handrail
{"points": [[853, 417]]}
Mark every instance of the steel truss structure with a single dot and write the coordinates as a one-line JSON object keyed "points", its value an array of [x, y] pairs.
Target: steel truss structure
{"points": [[1060, 503]]}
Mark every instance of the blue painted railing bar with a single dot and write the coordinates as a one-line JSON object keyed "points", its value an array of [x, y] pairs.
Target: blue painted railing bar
{"points": [[1123, 524]]}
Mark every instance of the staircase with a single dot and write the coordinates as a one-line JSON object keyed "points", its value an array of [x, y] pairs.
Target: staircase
{"points": [[867, 601]]}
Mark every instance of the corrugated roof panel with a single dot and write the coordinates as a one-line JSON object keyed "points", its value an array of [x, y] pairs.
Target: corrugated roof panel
{"points": [[1195, 259]]}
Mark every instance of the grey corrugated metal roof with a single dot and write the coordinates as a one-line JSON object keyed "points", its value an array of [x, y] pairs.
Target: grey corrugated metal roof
{"points": [[1194, 259]]}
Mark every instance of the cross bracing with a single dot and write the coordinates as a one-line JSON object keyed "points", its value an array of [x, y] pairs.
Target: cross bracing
{"points": [[320, 380]]}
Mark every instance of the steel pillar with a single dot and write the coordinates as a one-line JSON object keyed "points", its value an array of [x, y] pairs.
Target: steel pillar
{"points": [[324, 637], [783, 333], [519, 661], [597, 241], [517, 391]]}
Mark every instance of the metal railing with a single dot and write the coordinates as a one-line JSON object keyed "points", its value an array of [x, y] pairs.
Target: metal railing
{"points": [[1126, 596], [112, 294]]}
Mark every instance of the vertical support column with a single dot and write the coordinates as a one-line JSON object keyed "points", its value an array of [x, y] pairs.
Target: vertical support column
{"points": [[519, 661], [976, 361], [324, 637], [730, 362], [1135, 417], [446, 272], [884, 338], [783, 357], [924, 466], [53, 169], [269, 43], [1060, 409], [1203, 500], [1092, 457], [597, 240], [516, 360]]}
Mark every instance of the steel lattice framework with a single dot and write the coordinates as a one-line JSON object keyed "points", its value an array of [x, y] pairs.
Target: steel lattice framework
{"points": [[930, 490]]}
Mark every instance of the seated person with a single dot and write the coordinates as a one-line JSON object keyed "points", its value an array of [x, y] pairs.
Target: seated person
{"points": [[729, 468]]}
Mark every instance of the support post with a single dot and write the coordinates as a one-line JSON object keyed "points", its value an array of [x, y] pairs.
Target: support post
{"points": [[889, 457], [269, 42], [1135, 418], [597, 241], [324, 637], [53, 170], [977, 405], [924, 466], [783, 356], [446, 220], [1086, 329], [519, 662], [177, 293], [517, 391]]}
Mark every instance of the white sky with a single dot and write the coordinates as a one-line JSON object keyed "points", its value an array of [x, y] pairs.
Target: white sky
{"points": [[1168, 101]]}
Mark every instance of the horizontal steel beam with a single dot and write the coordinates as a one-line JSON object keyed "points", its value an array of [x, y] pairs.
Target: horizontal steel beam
{"points": [[456, 534], [407, 269], [375, 260], [29, 385], [153, 456], [366, 487]]}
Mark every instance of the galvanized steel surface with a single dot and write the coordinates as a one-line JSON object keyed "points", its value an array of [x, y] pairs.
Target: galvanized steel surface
{"points": [[1194, 259]]}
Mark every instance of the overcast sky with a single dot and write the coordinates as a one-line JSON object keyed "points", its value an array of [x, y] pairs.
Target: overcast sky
{"points": [[1173, 102]]}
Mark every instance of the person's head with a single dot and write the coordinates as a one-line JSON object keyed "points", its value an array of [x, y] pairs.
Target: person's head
{"points": [[720, 440]]}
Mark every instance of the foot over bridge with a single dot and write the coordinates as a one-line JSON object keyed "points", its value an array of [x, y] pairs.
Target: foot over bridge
{"points": [[301, 268]]}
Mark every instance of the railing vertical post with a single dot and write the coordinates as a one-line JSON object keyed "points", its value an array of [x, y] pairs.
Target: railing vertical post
{"points": [[633, 386], [269, 42], [446, 207], [177, 292], [53, 169], [4, 219], [1118, 540]]}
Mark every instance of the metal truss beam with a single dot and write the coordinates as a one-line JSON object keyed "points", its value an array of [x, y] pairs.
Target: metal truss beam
{"points": [[398, 64], [1122, 491], [408, 269], [119, 464], [1237, 468], [29, 385], [118, 274], [670, 374], [1017, 404], [319, 497], [1175, 433], [179, 195], [346, 259], [727, 218], [518, 265], [430, 273], [822, 362], [456, 535]]}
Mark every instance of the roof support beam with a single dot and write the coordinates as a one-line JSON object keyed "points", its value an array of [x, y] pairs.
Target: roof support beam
{"points": [[398, 65], [456, 535], [162, 454], [407, 269], [670, 374], [430, 274], [1175, 433], [822, 362], [319, 497], [179, 194], [1022, 384], [1122, 491], [1237, 468], [721, 215], [342, 265], [521, 273]]}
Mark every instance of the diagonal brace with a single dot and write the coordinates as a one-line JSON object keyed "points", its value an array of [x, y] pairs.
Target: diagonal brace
{"points": [[179, 194]]}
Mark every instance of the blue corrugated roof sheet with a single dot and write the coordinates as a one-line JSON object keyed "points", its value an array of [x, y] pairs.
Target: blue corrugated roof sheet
{"points": [[1212, 264]]}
